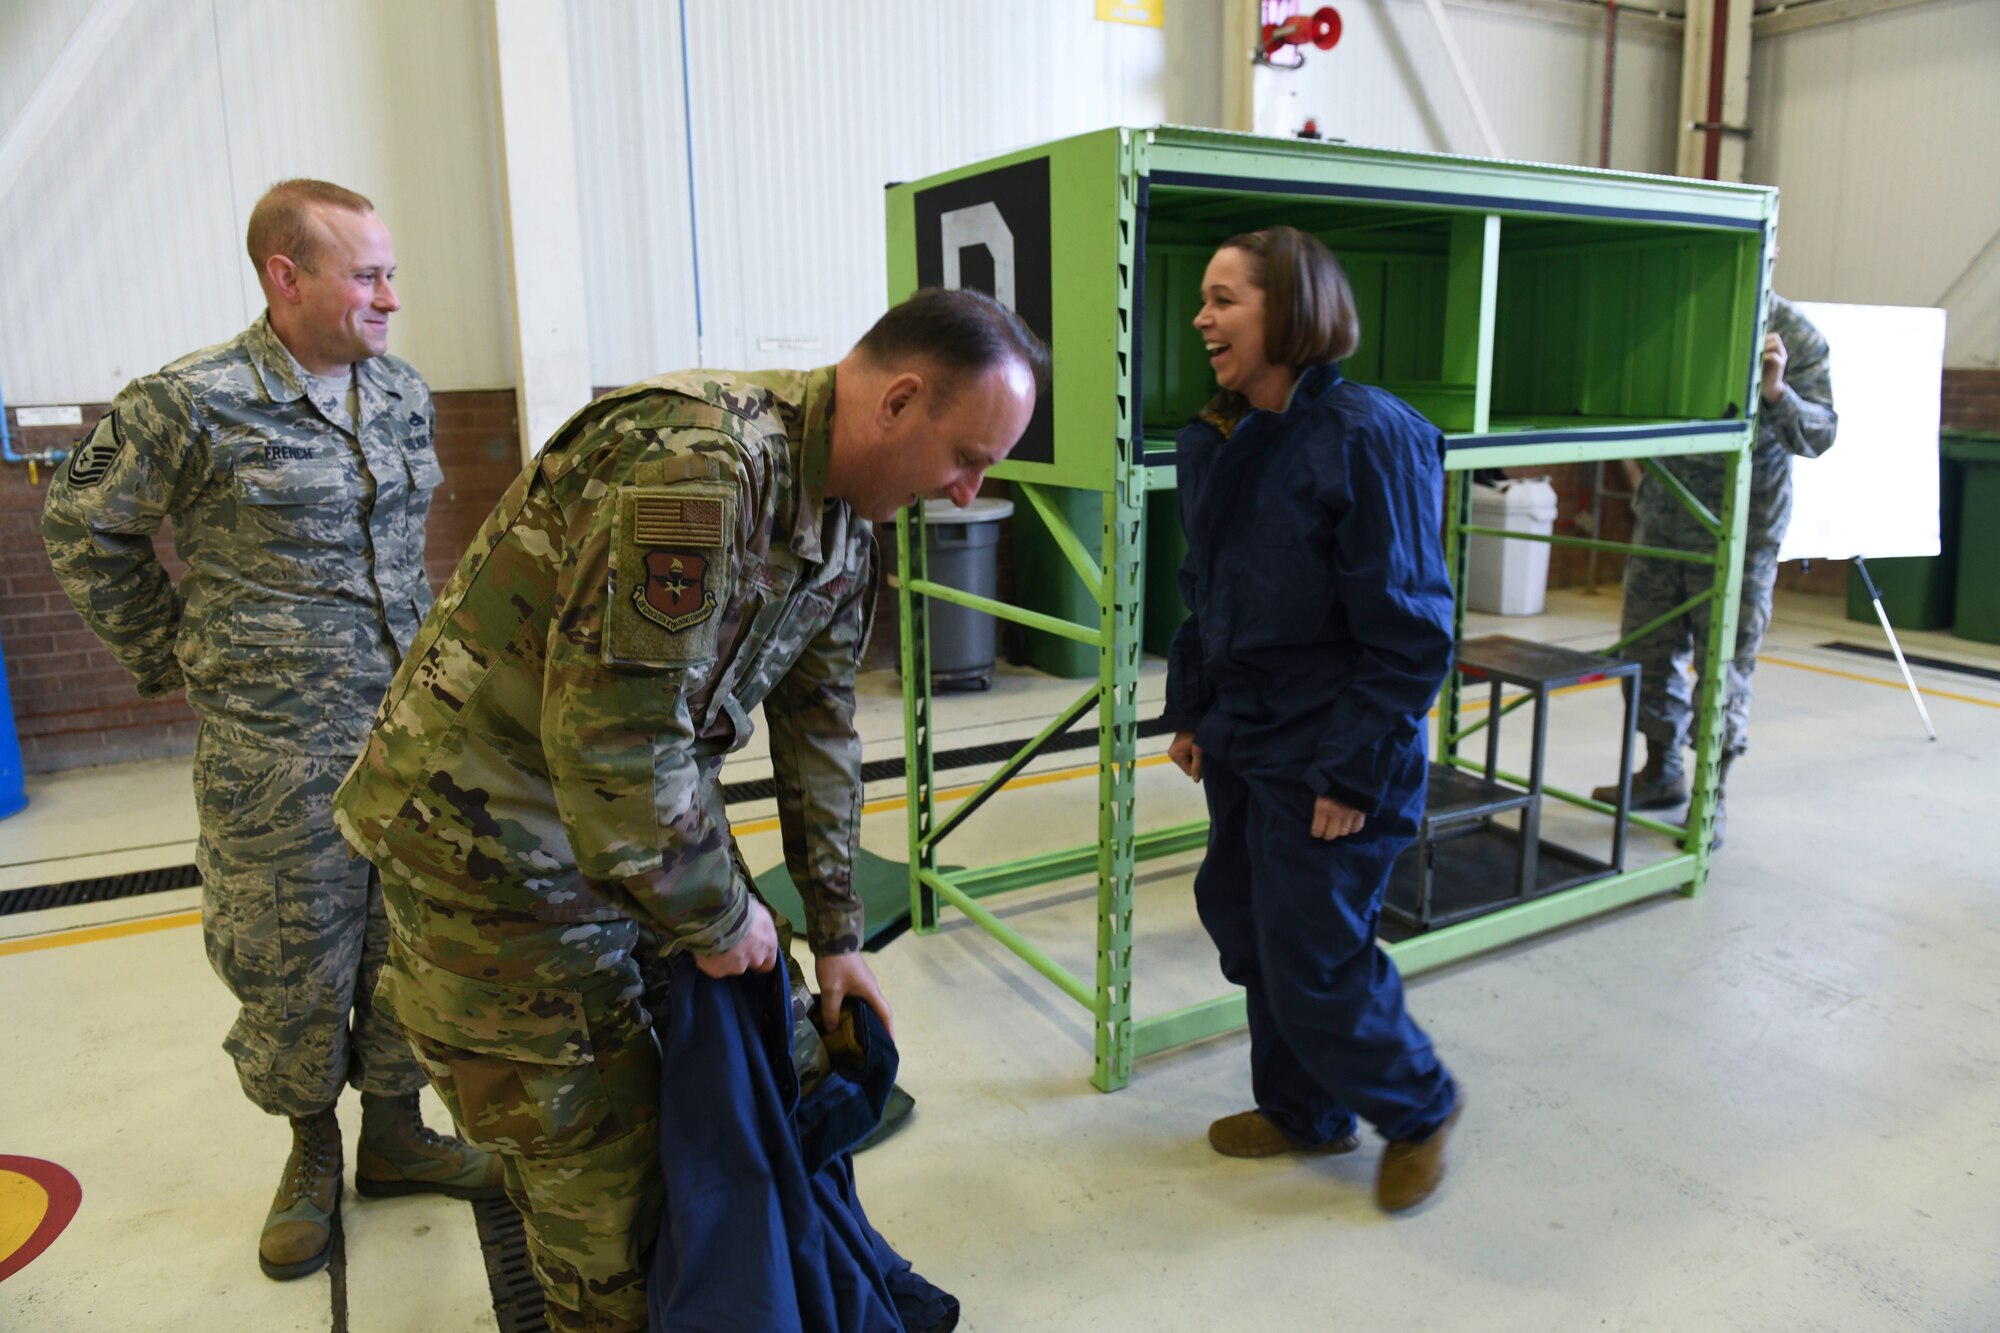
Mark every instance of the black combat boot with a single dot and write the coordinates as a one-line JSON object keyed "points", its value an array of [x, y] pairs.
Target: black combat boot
{"points": [[1660, 785], [399, 1154], [298, 1235]]}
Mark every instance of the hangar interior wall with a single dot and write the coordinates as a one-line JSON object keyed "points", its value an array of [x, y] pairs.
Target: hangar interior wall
{"points": [[731, 159]]}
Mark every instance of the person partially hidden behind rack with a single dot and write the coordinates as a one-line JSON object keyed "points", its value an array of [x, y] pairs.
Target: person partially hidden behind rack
{"points": [[1319, 630], [1796, 418]]}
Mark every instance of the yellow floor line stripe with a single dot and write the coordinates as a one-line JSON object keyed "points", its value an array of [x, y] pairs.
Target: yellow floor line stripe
{"points": [[1896, 684], [90, 934]]}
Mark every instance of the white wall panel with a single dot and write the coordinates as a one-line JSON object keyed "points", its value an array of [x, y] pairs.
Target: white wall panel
{"points": [[632, 174], [32, 35], [395, 100], [121, 246], [1876, 131], [119, 249], [1390, 84], [803, 111]]}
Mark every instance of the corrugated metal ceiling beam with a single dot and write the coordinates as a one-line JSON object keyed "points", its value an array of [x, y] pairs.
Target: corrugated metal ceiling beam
{"points": [[1780, 17], [1662, 18]]}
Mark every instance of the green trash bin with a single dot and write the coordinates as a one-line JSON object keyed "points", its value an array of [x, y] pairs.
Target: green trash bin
{"points": [[1166, 547], [1976, 605], [1917, 590], [1045, 581]]}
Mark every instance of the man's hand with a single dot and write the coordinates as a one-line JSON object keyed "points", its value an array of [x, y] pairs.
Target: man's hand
{"points": [[1185, 754], [1333, 820], [841, 975], [755, 952], [1775, 358]]}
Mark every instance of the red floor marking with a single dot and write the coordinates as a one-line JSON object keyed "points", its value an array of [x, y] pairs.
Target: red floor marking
{"points": [[60, 1195]]}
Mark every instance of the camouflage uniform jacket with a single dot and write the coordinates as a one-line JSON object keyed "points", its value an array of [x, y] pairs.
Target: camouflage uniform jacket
{"points": [[304, 541], [552, 744], [1801, 422]]}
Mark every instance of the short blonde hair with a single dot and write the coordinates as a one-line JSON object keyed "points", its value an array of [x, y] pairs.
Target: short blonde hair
{"points": [[282, 224]]}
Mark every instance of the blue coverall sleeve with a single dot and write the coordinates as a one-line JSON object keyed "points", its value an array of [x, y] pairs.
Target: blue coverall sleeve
{"points": [[1390, 582], [1188, 693]]}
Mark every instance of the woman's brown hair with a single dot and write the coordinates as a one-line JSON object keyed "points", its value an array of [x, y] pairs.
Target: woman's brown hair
{"points": [[1309, 316]]}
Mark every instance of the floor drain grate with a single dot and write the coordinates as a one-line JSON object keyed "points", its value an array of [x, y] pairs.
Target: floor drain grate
{"points": [[517, 1296], [98, 890]]}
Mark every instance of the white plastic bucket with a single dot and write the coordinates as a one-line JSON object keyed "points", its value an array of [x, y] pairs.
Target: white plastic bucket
{"points": [[1511, 578]]}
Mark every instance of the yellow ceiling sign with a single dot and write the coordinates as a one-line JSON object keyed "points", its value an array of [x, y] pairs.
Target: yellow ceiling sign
{"points": [[1143, 13]]}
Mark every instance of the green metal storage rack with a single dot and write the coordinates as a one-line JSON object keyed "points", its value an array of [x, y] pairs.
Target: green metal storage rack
{"points": [[1537, 314]]}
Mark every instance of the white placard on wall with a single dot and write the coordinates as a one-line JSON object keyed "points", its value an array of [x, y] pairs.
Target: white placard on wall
{"points": [[1875, 493]]}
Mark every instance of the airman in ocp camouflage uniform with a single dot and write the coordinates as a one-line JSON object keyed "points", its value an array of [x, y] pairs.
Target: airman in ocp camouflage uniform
{"points": [[541, 792], [298, 503], [1796, 418]]}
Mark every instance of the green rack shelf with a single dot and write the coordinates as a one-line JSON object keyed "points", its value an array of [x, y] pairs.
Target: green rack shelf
{"points": [[1539, 314]]}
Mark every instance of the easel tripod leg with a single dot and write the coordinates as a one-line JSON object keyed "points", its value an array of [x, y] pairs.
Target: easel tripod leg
{"points": [[1895, 647]]}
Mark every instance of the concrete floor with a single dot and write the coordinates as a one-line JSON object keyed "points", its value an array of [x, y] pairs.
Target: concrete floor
{"points": [[1773, 1107]]}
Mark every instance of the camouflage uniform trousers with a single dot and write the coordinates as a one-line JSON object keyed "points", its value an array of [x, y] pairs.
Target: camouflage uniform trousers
{"points": [[538, 1037], [294, 926], [1668, 656]]}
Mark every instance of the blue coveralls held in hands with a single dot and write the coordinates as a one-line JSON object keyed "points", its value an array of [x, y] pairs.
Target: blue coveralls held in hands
{"points": [[1319, 632]]}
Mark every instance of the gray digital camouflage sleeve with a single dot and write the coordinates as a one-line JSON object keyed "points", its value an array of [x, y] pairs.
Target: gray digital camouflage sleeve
{"points": [[139, 466], [1803, 419]]}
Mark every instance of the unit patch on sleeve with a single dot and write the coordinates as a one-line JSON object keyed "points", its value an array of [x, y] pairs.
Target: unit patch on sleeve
{"points": [[670, 573], [675, 594]]}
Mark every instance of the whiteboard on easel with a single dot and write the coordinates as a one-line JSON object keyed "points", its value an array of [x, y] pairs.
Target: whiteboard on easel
{"points": [[1875, 493]]}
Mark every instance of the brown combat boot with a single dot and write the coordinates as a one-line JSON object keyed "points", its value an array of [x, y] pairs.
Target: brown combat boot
{"points": [[298, 1235], [1249, 1134], [1660, 785], [399, 1154], [1412, 1168]]}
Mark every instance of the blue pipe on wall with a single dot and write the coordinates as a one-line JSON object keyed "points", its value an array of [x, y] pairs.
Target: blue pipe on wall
{"points": [[7, 443]]}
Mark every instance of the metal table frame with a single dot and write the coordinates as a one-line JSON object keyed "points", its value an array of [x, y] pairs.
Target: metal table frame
{"points": [[1461, 804]]}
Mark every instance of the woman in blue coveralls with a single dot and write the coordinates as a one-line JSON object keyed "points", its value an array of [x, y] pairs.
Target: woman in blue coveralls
{"points": [[1318, 634]]}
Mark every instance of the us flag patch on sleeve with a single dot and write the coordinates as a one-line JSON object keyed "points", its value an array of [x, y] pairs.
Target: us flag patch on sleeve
{"points": [[672, 520], [670, 573]]}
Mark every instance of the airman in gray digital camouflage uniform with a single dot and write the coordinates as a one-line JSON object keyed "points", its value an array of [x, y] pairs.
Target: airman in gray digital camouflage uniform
{"points": [[541, 791], [295, 462], [1796, 418]]}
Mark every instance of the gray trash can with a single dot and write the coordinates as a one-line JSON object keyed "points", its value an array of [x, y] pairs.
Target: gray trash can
{"points": [[962, 550]]}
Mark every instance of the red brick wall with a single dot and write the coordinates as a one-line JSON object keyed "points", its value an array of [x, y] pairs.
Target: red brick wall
{"points": [[74, 705]]}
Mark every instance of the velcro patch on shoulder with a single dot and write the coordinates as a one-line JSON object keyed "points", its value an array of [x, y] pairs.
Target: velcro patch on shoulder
{"points": [[671, 573], [678, 467], [88, 464]]}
